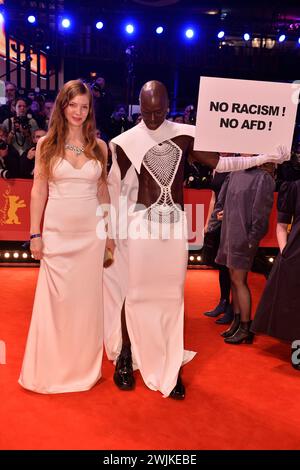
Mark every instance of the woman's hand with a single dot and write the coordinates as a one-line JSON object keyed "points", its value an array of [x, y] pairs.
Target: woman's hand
{"points": [[220, 215], [36, 248]]}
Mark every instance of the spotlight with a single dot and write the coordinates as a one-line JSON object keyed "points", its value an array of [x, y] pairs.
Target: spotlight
{"points": [[66, 23], [99, 25], [6, 255], [1, 18], [281, 38], [47, 47], [271, 260], [221, 34], [16, 255], [246, 36], [192, 258], [299, 41], [199, 258], [159, 30], [189, 33], [31, 19], [24, 255], [129, 28]]}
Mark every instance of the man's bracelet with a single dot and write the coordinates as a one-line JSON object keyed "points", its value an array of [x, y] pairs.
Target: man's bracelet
{"points": [[35, 235]]}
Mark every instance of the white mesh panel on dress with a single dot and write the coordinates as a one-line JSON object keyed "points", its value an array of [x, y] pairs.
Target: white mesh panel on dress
{"points": [[162, 162]]}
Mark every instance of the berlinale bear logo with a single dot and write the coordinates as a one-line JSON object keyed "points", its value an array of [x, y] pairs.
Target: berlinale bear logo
{"points": [[11, 205]]}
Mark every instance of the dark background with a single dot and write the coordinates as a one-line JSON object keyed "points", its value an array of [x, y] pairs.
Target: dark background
{"points": [[170, 57]]}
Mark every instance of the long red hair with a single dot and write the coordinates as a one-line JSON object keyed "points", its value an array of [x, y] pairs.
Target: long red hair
{"points": [[53, 145]]}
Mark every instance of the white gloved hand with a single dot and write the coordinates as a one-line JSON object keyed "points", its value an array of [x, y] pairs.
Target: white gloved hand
{"points": [[242, 163], [283, 154]]}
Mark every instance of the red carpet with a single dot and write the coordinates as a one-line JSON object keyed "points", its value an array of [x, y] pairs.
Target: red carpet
{"points": [[238, 397]]}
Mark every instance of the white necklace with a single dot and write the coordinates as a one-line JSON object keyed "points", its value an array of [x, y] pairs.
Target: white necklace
{"points": [[77, 150]]}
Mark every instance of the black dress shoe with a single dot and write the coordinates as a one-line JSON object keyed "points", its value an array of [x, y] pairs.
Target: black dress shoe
{"points": [[178, 392], [123, 376]]}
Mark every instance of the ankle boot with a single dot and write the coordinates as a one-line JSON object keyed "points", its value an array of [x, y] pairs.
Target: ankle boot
{"points": [[220, 308], [242, 334], [233, 327], [227, 317]]}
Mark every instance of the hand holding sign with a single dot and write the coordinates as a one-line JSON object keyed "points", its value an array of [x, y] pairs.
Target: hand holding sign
{"points": [[284, 154]]}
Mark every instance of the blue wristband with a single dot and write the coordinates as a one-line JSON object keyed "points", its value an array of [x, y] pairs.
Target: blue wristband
{"points": [[35, 235]]}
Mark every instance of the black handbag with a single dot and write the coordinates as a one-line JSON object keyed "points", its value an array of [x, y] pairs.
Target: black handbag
{"points": [[211, 245]]}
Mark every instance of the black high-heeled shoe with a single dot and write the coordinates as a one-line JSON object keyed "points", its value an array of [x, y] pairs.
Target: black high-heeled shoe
{"points": [[233, 327], [242, 334]]}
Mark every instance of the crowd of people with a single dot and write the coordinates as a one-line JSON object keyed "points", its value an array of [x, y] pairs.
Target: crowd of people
{"points": [[25, 118], [135, 307]]}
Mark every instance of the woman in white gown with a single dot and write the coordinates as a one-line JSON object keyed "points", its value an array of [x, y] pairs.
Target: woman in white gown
{"points": [[64, 345]]}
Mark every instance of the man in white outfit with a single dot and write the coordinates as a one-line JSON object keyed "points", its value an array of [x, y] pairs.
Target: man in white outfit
{"points": [[144, 288]]}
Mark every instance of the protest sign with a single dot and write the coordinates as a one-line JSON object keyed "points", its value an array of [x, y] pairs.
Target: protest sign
{"points": [[245, 116]]}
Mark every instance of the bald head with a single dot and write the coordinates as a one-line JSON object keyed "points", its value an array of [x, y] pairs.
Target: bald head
{"points": [[154, 103]]}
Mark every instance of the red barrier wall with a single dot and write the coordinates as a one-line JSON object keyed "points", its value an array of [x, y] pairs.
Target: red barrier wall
{"points": [[15, 202]]}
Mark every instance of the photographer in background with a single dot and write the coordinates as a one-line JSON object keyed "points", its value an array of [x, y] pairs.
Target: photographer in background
{"points": [[46, 112], [103, 106], [19, 127], [9, 158], [197, 176], [189, 115], [119, 122], [27, 159], [7, 110]]}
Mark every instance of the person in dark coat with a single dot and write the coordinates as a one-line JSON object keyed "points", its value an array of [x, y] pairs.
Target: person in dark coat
{"points": [[210, 248], [103, 106], [290, 171], [119, 122], [27, 159], [245, 204], [277, 313]]}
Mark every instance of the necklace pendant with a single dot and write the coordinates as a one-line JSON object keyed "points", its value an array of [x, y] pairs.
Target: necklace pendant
{"points": [[77, 150]]}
